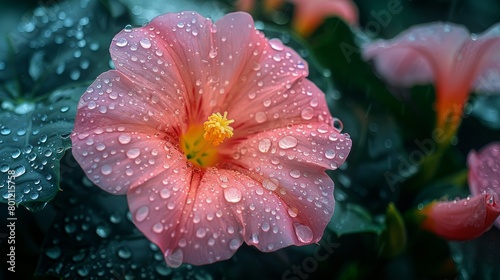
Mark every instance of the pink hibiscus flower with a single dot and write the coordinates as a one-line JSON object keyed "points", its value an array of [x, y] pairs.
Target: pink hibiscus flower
{"points": [[447, 55], [215, 136], [484, 170]]}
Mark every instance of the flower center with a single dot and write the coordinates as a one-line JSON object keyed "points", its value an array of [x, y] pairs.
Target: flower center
{"points": [[199, 143]]}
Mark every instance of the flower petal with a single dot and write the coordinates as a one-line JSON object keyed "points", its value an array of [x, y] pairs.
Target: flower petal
{"points": [[291, 164], [110, 140], [222, 209], [309, 14], [275, 107], [484, 170], [463, 219], [486, 45], [421, 54]]}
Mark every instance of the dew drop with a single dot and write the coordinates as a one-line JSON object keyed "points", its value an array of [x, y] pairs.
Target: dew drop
{"points": [[103, 231], [264, 145], [128, 28], [276, 44], [106, 169], [121, 42], [260, 117], [288, 142], [174, 259], [201, 232], [5, 131], [124, 253], [53, 252], [133, 153], [234, 244], [304, 233], [307, 113], [124, 138], [294, 173], [165, 193], [145, 43], [269, 185], [337, 124], [212, 53], [141, 214], [330, 154], [232, 195], [157, 228]]}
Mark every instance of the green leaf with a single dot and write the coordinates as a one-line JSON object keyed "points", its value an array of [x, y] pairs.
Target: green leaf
{"points": [[393, 240], [478, 258], [57, 45], [349, 218], [34, 137]]}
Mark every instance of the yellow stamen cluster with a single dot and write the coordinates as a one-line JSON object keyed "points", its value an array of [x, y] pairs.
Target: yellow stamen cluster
{"points": [[217, 128]]}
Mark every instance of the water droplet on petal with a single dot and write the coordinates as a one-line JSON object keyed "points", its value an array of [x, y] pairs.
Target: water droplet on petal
{"points": [[124, 138], [330, 154], [269, 185], [294, 173], [106, 169], [133, 153], [128, 28], [234, 244], [304, 233], [212, 53], [276, 44], [264, 145], [232, 195], [174, 259], [145, 43], [121, 42], [307, 113], [260, 117], [165, 193], [337, 124], [157, 228], [201, 232], [141, 214], [288, 142]]}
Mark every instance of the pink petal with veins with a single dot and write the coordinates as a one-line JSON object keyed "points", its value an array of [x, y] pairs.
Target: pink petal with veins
{"points": [[484, 170]]}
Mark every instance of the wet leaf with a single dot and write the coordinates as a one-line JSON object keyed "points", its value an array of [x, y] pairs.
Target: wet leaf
{"points": [[393, 240], [350, 218], [33, 138], [61, 44], [478, 258]]}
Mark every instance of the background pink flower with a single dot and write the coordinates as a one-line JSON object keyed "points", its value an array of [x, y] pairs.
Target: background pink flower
{"points": [[139, 131], [462, 219], [447, 55], [484, 170], [310, 14]]}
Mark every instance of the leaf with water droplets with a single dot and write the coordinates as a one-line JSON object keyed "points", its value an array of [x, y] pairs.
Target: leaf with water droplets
{"points": [[350, 218], [58, 45], [34, 137]]}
